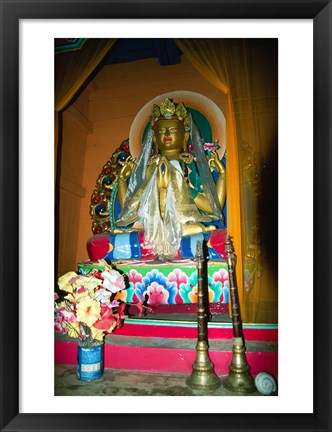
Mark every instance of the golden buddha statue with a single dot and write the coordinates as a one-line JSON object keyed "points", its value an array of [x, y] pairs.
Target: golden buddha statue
{"points": [[160, 198]]}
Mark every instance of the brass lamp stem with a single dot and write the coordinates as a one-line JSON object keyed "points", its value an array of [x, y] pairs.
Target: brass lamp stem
{"points": [[239, 379], [203, 376]]}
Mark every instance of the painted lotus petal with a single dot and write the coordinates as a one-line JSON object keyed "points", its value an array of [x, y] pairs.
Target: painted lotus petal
{"points": [[225, 293], [209, 146], [156, 278], [220, 276], [178, 276], [193, 294], [88, 311], [134, 276], [157, 294]]}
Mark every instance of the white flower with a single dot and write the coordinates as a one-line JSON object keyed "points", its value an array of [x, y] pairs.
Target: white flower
{"points": [[102, 295], [113, 281]]}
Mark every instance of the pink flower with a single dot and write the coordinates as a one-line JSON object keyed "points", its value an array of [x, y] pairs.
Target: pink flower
{"points": [[60, 326], [65, 315]]}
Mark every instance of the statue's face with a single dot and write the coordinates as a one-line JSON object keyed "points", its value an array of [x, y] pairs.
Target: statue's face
{"points": [[169, 135]]}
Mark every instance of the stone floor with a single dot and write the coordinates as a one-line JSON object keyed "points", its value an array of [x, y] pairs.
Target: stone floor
{"points": [[129, 383]]}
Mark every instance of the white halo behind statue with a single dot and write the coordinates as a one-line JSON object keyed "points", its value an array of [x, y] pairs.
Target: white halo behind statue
{"points": [[191, 99]]}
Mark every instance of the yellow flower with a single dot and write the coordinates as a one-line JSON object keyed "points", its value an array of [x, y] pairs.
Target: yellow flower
{"points": [[88, 311], [105, 265], [87, 282], [71, 298], [79, 296], [76, 297], [97, 334], [64, 281], [73, 329]]}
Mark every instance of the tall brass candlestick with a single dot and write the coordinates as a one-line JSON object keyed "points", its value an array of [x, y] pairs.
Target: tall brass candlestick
{"points": [[239, 379], [203, 376]]}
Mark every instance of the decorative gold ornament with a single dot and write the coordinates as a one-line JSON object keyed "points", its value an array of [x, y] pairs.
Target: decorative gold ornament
{"points": [[155, 114], [203, 376], [181, 111], [168, 109], [104, 193], [239, 379]]}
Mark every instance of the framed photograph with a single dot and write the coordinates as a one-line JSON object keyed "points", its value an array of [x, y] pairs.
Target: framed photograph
{"points": [[29, 245]]}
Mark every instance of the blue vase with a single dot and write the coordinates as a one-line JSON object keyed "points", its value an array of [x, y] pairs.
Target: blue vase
{"points": [[90, 364]]}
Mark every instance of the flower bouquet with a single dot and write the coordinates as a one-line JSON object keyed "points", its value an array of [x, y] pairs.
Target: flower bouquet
{"points": [[89, 307]]}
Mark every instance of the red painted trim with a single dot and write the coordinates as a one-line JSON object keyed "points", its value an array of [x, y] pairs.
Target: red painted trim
{"points": [[166, 359], [65, 352], [191, 332]]}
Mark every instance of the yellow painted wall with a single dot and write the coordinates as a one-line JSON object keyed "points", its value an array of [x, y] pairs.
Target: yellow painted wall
{"points": [[76, 127]]}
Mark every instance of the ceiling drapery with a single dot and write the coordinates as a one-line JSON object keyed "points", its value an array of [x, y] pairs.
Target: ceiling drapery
{"points": [[72, 69]]}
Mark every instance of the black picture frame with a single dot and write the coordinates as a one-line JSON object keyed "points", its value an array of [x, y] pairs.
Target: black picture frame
{"points": [[11, 12]]}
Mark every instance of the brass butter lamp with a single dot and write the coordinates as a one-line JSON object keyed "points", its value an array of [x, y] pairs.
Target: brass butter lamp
{"points": [[239, 379], [203, 376]]}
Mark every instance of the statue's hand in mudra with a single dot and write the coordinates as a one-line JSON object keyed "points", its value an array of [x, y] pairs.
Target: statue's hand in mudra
{"points": [[126, 169], [215, 163], [123, 175]]}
